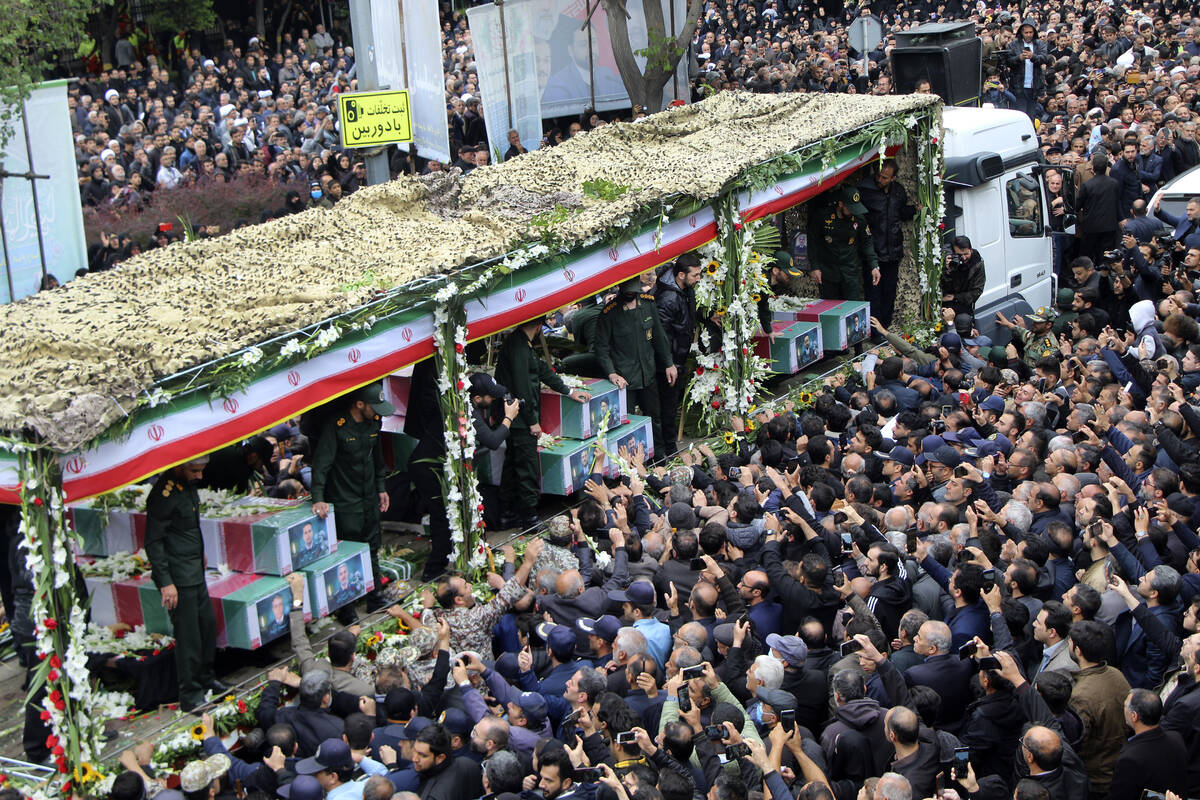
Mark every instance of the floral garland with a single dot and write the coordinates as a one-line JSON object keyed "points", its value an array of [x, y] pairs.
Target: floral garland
{"points": [[117, 567], [133, 643], [73, 710], [931, 209], [460, 489], [732, 281]]}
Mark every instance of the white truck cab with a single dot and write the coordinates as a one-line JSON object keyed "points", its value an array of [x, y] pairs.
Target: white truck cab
{"points": [[995, 196]]}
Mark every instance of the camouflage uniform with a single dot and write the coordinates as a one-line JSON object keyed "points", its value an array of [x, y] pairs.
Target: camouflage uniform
{"points": [[1039, 345]]}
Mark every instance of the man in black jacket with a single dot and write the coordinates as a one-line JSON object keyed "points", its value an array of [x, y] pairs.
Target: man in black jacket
{"points": [[443, 777], [675, 301], [1027, 58], [1152, 758], [887, 207], [1099, 204], [311, 719]]}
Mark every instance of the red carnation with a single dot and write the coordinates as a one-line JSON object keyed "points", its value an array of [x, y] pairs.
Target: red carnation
{"points": [[55, 697], [461, 385], [699, 370], [58, 750], [52, 675], [50, 624], [51, 740], [3, 778], [55, 661], [479, 507], [156, 651], [716, 404], [60, 705], [468, 465], [458, 348], [67, 787], [737, 226], [121, 633], [37, 501], [241, 706], [45, 716]]}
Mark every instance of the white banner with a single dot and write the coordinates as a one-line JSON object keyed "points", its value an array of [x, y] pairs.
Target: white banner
{"points": [[563, 55], [426, 80], [388, 34], [519, 84], [52, 148]]}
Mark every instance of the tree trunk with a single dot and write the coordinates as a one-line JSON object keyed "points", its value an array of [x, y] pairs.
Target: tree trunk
{"points": [[260, 24], [646, 89], [283, 21]]}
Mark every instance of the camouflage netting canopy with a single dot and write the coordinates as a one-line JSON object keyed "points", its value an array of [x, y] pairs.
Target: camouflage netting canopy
{"points": [[74, 358]]}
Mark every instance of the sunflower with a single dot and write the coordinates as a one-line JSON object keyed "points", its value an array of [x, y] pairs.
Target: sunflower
{"points": [[806, 397], [85, 773], [720, 312], [713, 266], [754, 258], [728, 437], [749, 424], [198, 732], [757, 298]]}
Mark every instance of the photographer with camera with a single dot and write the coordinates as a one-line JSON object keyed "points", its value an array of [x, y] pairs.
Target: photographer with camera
{"points": [[964, 277]]}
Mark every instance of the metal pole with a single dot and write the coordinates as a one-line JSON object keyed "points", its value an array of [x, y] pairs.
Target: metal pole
{"points": [[4, 239], [368, 78], [504, 48], [591, 60], [37, 217], [674, 80]]}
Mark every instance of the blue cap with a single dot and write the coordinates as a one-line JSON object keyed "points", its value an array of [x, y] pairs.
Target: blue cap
{"points": [[951, 340], [999, 442], [901, 454], [993, 403], [534, 706], [332, 754], [639, 593], [561, 640], [945, 455], [304, 787], [605, 627], [928, 445], [455, 720]]}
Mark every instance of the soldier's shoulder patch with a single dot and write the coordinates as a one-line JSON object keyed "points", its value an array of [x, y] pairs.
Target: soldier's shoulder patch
{"points": [[341, 421], [609, 306], [647, 296]]}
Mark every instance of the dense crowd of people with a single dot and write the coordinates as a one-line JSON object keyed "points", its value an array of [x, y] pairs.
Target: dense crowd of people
{"points": [[972, 571]]}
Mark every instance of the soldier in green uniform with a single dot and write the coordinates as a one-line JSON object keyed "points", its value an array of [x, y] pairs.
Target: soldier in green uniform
{"points": [[348, 471], [1039, 339], [176, 551], [581, 324], [840, 249], [239, 467], [632, 348], [523, 371]]}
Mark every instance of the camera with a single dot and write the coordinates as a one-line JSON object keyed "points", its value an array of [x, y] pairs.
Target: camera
{"points": [[1114, 256], [954, 259], [1165, 240], [508, 398]]}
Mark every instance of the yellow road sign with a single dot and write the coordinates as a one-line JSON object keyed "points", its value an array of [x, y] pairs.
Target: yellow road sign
{"points": [[369, 119]]}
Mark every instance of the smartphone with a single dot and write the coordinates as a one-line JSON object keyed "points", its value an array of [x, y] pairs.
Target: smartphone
{"points": [[989, 579], [989, 662], [849, 646], [967, 650], [1129, 387], [697, 564], [1150, 794], [685, 699], [688, 673], [787, 718], [961, 471], [847, 539], [1107, 572], [626, 737], [1095, 529], [569, 718], [736, 751], [839, 517], [868, 364], [715, 732], [947, 410], [1041, 384], [962, 759], [910, 542], [1079, 437], [587, 774]]}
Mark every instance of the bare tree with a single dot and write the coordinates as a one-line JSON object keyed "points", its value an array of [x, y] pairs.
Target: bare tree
{"points": [[662, 52]]}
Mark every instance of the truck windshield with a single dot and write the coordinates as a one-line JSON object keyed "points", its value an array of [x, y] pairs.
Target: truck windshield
{"points": [[1024, 207]]}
